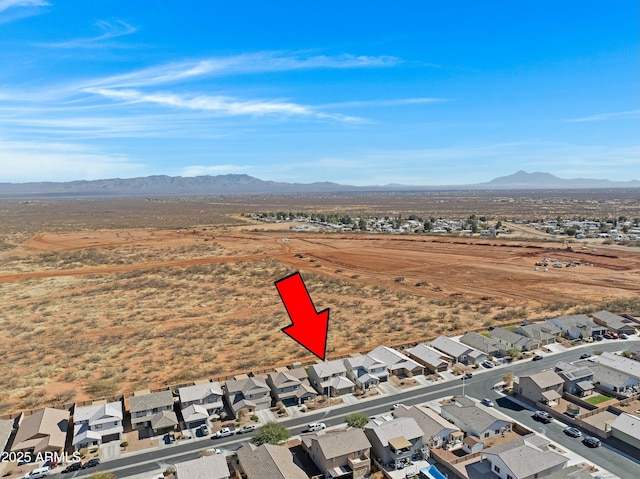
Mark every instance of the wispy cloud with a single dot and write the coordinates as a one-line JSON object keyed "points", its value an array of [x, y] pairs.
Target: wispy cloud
{"points": [[11, 10], [222, 105], [240, 64], [378, 103], [110, 29], [7, 4], [620, 115]]}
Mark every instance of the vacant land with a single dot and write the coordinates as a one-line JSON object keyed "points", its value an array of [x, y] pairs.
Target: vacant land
{"points": [[93, 309]]}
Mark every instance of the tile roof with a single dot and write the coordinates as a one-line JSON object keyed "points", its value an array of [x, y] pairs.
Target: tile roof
{"points": [[146, 402], [450, 347], [627, 424], [338, 443], [545, 379], [268, 461], [471, 415], [44, 429], [205, 467], [329, 368], [429, 421], [429, 355], [402, 426], [198, 392]]}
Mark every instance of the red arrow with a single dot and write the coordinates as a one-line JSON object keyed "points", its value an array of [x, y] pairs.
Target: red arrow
{"points": [[308, 327]]}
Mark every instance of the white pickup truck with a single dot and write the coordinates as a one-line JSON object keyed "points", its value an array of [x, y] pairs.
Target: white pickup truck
{"points": [[224, 432]]}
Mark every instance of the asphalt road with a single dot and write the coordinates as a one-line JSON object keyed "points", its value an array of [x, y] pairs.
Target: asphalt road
{"points": [[479, 386]]}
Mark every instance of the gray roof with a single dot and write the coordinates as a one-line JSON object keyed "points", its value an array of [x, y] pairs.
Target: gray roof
{"points": [[198, 392], [267, 461], [428, 355], [393, 358], [449, 346], [543, 331], [512, 338], [614, 321], [429, 421], [205, 467], [338, 443], [247, 386], [366, 361], [527, 456], [621, 364], [164, 419], [195, 412], [571, 472], [606, 375], [571, 372], [406, 427], [627, 424], [329, 368], [146, 402], [476, 418], [480, 342], [545, 379]]}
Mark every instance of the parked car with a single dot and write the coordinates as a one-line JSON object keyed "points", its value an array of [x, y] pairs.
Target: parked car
{"points": [[316, 426], [585, 356], [537, 357], [246, 428], [224, 432], [169, 438], [467, 376], [624, 336], [487, 364], [598, 337], [90, 463], [74, 466], [214, 451], [591, 441], [542, 416], [204, 430], [572, 431], [614, 335], [38, 473], [396, 406], [487, 402]]}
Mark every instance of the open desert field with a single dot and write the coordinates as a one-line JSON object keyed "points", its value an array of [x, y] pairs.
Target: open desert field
{"points": [[92, 310]]}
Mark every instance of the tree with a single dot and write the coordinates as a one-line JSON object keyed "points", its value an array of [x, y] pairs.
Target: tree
{"points": [[357, 420], [271, 433], [508, 380]]}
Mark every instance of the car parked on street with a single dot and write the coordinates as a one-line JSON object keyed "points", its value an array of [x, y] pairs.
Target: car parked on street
{"points": [[537, 357], [224, 432], [591, 441], [487, 402], [467, 376], [90, 463], [542, 416], [585, 356], [487, 364], [74, 466], [624, 336], [246, 428], [572, 431]]}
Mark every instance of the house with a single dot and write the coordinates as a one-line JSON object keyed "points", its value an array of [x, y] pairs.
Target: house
{"points": [[543, 333], [616, 323], [249, 393], [626, 427], [488, 345], [268, 461], [153, 410], [205, 467], [471, 444], [578, 380], [340, 453], [544, 387], [366, 371], [523, 458], [97, 424], [330, 377], [437, 431], [461, 353], [395, 441], [397, 363], [577, 326], [207, 394], [43, 431], [473, 420], [510, 340], [433, 360], [289, 390], [616, 373], [6, 428], [194, 416]]}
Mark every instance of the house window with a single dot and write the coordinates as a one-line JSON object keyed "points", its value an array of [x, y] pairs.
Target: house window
{"points": [[497, 431], [97, 426], [496, 468], [486, 434], [509, 476]]}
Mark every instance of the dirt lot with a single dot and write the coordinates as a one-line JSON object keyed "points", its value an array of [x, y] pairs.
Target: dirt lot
{"points": [[92, 312]]}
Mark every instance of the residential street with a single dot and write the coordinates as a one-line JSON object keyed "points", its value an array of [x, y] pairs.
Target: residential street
{"points": [[481, 385]]}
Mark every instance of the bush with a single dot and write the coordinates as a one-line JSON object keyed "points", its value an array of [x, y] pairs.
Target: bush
{"points": [[271, 433], [357, 420], [124, 444]]}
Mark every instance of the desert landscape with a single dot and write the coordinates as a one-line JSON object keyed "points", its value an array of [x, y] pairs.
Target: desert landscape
{"points": [[102, 297]]}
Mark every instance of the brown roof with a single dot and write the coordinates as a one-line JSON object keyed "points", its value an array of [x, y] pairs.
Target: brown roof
{"points": [[44, 430], [267, 461], [339, 443]]}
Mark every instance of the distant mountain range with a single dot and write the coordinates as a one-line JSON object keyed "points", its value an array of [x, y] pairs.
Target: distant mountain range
{"points": [[163, 185]]}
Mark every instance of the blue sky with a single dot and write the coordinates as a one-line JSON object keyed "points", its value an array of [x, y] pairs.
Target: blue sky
{"points": [[358, 92]]}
